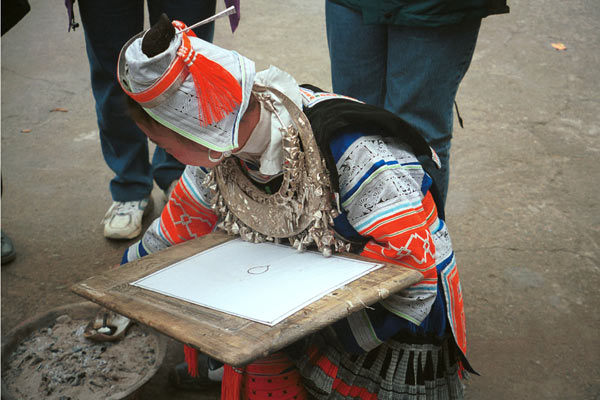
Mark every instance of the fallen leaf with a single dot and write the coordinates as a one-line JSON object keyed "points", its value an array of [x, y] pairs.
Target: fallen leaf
{"points": [[559, 46], [25, 130], [59, 109]]}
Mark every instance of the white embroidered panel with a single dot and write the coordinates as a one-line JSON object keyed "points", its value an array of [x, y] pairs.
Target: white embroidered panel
{"points": [[387, 186]]}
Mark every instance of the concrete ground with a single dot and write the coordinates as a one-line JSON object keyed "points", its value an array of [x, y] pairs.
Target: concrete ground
{"points": [[523, 206]]}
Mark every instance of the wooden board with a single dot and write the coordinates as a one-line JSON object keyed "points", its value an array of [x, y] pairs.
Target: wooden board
{"points": [[233, 340]]}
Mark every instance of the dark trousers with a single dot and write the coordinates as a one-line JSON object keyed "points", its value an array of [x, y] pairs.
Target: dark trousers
{"points": [[108, 24], [413, 72]]}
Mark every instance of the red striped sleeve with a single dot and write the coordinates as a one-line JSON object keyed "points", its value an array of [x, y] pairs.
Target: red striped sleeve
{"points": [[404, 238], [184, 218]]}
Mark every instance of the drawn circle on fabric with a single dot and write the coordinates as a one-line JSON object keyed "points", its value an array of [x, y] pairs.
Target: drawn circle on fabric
{"points": [[258, 270]]}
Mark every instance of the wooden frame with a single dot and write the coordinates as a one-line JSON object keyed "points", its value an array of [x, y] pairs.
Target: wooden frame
{"points": [[233, 340]]}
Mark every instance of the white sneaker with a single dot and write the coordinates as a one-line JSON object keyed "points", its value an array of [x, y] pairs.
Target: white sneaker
{"points": [[123, 220]]}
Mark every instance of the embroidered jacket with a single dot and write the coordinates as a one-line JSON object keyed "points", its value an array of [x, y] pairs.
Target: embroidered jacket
{"points": [[385, 198]]}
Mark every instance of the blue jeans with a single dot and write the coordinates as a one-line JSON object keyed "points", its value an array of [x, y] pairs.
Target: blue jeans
{"points": [[413, 72], [108, 24]]}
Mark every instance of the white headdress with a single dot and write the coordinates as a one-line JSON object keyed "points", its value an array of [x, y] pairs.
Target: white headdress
{"points": [[195, 88]]}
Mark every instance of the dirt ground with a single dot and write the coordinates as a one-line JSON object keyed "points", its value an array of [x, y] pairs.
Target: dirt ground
{"points": [[523, 207]]}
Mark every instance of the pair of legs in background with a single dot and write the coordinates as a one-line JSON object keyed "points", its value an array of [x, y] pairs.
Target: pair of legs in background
{"points": [[108, 24], [413, 72]]}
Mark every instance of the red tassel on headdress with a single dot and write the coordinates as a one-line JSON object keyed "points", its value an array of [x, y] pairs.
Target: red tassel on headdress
{"points": [[191, 359], [231, 386], [218, 92]]}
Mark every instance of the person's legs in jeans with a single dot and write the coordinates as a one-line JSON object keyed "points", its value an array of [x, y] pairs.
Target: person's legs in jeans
{"points": [[415, 75], [108, 24], [425, 67], [358, 54], [165, 168]]}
